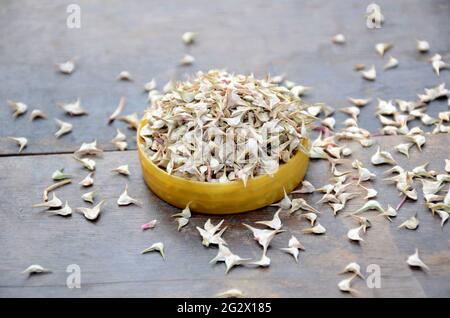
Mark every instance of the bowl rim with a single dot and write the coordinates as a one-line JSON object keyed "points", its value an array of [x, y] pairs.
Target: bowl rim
{"points": [[139, 142]]}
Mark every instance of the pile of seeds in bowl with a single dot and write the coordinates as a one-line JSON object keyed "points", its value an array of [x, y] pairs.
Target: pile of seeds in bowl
{"points": [[221, 127]]}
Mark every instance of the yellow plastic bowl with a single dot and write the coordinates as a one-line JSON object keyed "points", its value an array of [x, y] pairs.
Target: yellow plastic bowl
{"points": [[222, 198]]}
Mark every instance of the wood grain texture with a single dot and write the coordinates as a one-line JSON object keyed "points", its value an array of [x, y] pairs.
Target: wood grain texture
{"points": [[108, 251], [278, 37], [143, 37]]}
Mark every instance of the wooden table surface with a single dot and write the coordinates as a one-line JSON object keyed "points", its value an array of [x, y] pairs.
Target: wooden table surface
{"points": [[143, 37]]}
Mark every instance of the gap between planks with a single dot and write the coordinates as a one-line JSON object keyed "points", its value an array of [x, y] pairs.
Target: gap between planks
{"points": [[56, 153]]}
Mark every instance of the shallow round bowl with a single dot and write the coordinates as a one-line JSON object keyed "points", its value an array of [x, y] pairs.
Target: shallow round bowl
{"points": [[222, 198]]}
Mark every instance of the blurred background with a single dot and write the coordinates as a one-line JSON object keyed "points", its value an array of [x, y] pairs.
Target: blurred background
{"points": [[144, 37]]}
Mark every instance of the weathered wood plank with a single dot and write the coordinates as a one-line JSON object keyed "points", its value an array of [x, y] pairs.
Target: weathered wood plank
{"points": [[108, 251], [290, 37]]}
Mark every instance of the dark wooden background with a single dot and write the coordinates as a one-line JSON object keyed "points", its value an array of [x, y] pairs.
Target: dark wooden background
{"points": [[143, 37]]}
